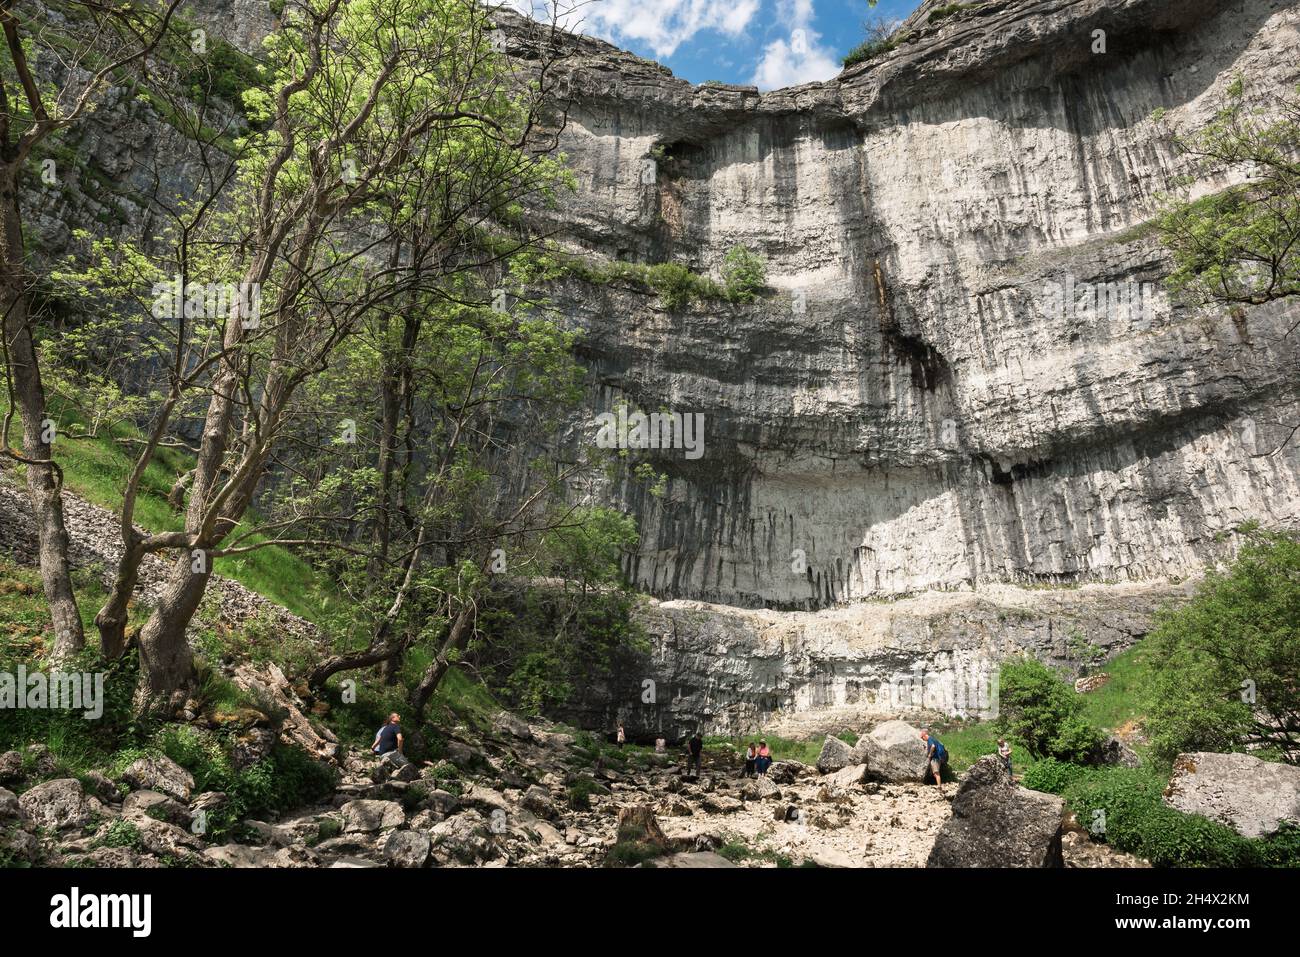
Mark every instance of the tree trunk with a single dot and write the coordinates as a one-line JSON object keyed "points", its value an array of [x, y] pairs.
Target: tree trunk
{"points": [[112, 617], [43, 482], [462, 629], [166, 665]]}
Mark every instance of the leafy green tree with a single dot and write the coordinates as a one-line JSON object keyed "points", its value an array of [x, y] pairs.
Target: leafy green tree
{"points": [[382, 132], [1240, 246], [1227, 663], [1038, 709], [94, 44]]}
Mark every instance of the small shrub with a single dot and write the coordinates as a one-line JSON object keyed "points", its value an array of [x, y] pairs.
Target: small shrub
{"points": [[1281, 849], [1052, 776], [120, 833], [1043, 713], [628, 853], [580, 792], [743, 274], [940, 13]]}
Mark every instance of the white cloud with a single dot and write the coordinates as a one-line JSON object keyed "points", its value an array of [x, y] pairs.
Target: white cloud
{"points": [[663, 25], [798, 58]]}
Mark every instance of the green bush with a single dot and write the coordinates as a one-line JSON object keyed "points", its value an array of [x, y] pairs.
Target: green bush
{"points": [[1123, 807], [1043, 713], [629, 853], [580, 792], [744, 274], [940, 13], [1052, 776], [1280, 850], [1235, 643]]}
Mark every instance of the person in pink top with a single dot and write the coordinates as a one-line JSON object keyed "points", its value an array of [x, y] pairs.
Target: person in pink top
{"points": [[764, 760]]}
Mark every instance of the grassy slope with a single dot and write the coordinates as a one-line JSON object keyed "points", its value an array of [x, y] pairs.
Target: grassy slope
{"points": [[1111, 707], [97, 469]]}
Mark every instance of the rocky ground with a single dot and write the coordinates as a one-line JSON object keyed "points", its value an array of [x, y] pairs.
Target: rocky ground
{"points": [[514, 794]]}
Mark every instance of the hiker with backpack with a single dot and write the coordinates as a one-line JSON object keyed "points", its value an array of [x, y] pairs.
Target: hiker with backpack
{"points": [[937, 755]]}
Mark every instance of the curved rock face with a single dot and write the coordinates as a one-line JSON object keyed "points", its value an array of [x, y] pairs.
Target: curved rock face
{"points": [[913, 406], [731, 670]]}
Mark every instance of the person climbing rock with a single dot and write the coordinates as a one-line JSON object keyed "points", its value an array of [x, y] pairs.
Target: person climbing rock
{"points": [[751, 759], [937, 755], [695, 751], [764, 760], [1004, 752], [389, 737]]}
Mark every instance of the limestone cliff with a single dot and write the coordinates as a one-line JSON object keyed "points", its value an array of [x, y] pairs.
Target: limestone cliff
{"points": [[913, 459], [906, 411], [905, 408]]}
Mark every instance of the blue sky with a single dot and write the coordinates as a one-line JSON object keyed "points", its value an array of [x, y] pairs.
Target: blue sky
{"points": [[768, 43]]}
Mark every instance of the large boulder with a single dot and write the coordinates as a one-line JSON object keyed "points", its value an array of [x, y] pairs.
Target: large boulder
{"points": [[407, 849], [1115, 752], [156, 805], [893, 752], [11, 767], [160, 773], [538, 800], [994, 823], [167, 840], [511, 725], [366, 817], [835, 754], [464, 839], [847, 777], [59, 804], [637, 822], [761, 788], [693, 859], [1251, 796]]}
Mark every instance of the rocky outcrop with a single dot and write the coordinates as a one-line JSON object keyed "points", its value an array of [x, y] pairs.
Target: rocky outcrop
{"points": [[893, 751], [1251, 796], [735, 669], [994, 823], [835, 754]]}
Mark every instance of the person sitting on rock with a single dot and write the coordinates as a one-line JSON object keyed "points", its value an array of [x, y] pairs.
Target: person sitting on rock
{"points": [[764, 760], [389, 737], [937, 755], [1004, 752], [751, 759], [695, 751]]}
